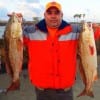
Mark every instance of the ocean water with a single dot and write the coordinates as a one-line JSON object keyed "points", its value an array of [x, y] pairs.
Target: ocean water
{"points": [[2, 28]]}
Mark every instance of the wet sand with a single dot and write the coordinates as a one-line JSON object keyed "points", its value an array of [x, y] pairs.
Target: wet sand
{"points": [[27, 92]]}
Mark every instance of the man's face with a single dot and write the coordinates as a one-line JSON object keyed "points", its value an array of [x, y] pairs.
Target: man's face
{"points": [[53, 17]]}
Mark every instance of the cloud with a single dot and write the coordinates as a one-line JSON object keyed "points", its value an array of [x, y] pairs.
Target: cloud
{"points": [[29, 8], [1, 5], [31, 1], [3, 12], [35, 8]]}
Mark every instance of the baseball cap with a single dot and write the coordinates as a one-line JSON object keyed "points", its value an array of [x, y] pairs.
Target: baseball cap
{"points": [[53, 4]]}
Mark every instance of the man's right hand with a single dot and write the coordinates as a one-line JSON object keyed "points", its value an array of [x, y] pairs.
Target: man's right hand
{"points": [[19, 15]]}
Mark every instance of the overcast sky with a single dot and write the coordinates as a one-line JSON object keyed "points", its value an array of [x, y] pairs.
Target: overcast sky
{"points": [[35, 8]]}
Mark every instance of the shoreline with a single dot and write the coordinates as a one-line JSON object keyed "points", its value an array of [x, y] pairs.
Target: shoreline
{"points": [[3, 23]]}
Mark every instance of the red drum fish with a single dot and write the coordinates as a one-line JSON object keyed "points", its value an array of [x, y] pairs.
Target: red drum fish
{"points": [[88, 59], [13, 50]]}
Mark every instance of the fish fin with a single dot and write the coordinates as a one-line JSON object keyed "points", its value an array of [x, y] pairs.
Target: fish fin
{"points": [[82, 93], [7, 63], [91, 48], [20, 44], [82, 73], [96, 78], [88, 93], [8, 69], [14, 86]]}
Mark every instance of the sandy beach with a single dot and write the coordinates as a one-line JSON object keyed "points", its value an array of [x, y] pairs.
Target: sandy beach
{"points": [[27, 92]]}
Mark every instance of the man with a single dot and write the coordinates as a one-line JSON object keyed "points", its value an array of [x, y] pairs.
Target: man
{"points": [[51, 66], [52, 51], [52, 55]]}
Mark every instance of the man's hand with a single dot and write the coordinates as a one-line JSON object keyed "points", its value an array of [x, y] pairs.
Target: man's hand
{"points": [[95, 26], [19, 15]]}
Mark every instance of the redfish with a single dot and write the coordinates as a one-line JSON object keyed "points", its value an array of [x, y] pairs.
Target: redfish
{"points": [[88, 59], [13, 50]]}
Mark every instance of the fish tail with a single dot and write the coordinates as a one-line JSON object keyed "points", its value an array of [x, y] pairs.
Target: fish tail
{"points": [[9, 70], [88, 93], [14, 86], [82, 93]]}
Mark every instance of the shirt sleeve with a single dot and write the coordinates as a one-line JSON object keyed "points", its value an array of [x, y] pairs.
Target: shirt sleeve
{"points": [[76, 28], [97, 33], [26, 31]]}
